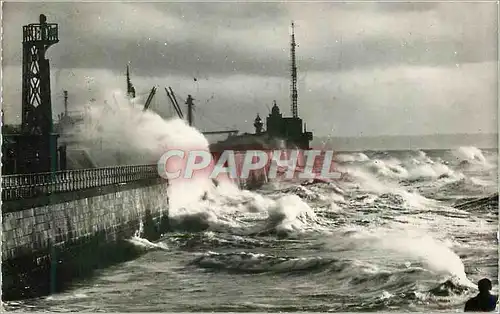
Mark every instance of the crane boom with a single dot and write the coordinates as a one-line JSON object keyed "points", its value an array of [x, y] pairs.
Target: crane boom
{"points": [[173, 97], [150, 98], [176, 107]]}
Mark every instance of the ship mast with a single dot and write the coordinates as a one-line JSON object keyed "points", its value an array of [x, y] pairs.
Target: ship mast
{"points": [[130, 87], [293, 87], [65, 102]]}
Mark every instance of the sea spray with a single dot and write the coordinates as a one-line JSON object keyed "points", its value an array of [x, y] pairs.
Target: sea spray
{"points": [[146, 244], [432, 253], [469, 154], [118, 131], [290, 214], [403, 247], [470, 158], [355, 157], [413, 169], [367, 182], [122, 127]]}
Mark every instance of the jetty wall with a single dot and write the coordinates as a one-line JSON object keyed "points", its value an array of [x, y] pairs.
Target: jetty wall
{"points": [[50, 239]]}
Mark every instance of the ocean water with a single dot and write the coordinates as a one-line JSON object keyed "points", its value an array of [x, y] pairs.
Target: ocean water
{"points": [[387, 237]]}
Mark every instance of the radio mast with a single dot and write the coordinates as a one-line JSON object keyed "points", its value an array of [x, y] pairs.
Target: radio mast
{"points": [[293, 87]]}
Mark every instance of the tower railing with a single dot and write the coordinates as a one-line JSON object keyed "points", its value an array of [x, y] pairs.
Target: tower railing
{"points": [[25, 186], [41, 32]]}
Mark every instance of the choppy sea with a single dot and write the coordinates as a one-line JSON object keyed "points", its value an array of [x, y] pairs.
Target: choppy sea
{"points": [[403, 231]]}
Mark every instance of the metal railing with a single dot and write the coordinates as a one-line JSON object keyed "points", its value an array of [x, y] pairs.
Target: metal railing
{"points": [[41, 32], [23, 186]]}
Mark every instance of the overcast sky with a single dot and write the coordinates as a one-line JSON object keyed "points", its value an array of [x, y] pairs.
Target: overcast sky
{"points": [[364, 68]]}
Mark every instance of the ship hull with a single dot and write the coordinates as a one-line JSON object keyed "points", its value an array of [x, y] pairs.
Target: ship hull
{"points": [[243, 149]]}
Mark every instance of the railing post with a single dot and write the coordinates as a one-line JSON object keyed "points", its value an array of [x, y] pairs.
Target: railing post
{"points": [[84, 179], [76, 175], [101, 177]]}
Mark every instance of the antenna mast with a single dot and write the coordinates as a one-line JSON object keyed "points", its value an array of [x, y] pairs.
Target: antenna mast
{"points": [[293, 87]]}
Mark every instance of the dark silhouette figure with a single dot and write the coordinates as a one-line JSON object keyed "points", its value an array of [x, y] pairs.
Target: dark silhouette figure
{"points": [[484, 301]]}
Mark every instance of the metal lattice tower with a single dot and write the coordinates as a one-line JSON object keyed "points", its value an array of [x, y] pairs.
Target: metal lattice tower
{"points": [[36, 102], [293, 87]]}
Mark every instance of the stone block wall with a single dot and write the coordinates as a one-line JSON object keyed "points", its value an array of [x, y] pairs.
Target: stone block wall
{"points": [[36, 239]]}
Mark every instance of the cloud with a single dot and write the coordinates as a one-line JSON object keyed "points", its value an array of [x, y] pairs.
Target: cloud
{"points": [[364, 68], [406, 100], [224, 38], [406, 6]]}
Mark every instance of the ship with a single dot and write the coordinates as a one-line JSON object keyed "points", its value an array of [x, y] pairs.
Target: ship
{"points": [[280, 132]]}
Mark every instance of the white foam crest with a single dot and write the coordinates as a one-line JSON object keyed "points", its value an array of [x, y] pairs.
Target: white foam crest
{"points": [[259, 204], [413, 168], [358, 178], [66, 297], [196, 199], [403, 247], [422, 157], [187, 193], [388, 168], [224, 207], [221, 207], [471, 155], [292, 215], [431, 171], [359, 157], [368, 182], [144, 243], [434, 254]]}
